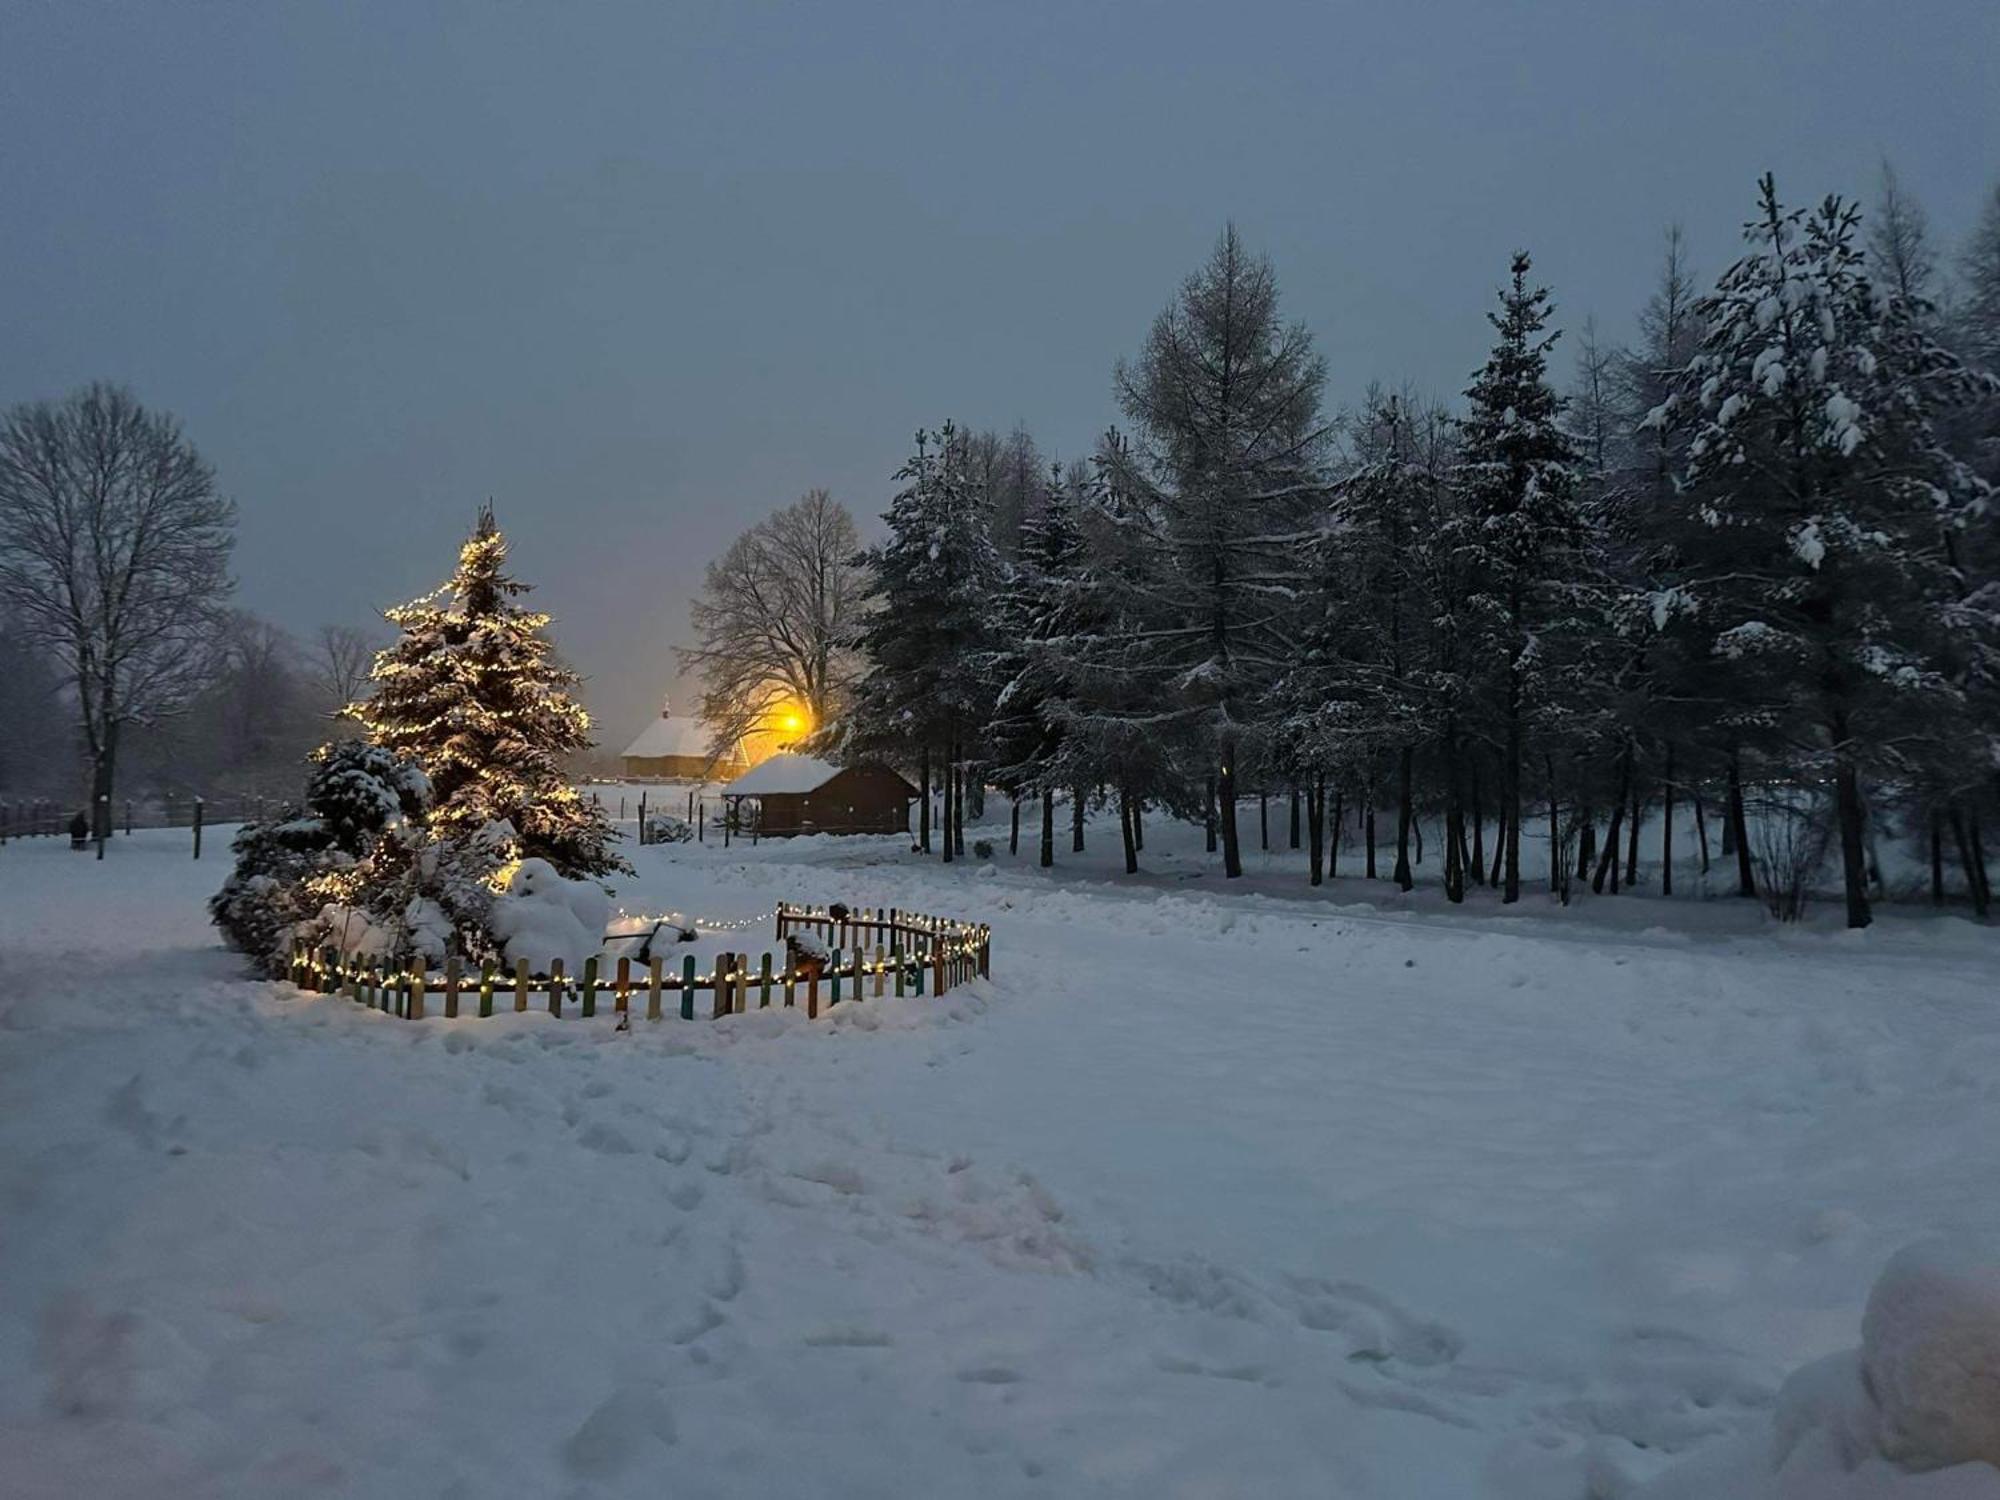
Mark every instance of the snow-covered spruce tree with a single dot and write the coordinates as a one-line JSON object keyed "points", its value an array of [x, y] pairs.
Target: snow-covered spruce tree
{"points": [[933, 585], [1518, 473], [1226, 399], [289, 866], [472, 691], [1026, 660], [1823, 511]]}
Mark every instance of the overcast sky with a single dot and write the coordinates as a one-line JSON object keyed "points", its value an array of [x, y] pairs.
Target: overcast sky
{"points": [[642, 272]]}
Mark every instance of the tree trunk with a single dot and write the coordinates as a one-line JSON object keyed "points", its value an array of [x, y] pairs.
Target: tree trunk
{"points": [[1139, 824], [1403, 818], [1586, 841], [1558, 866], [1368, 830], [1264, 821], [1208, 814], [1608, 862], [1232, 852], [1333, 836], [1454, 820], [1076, 820], [1048, 826], [924, 804], [1014, 827], [1316, 822], [1667, 825], [944, 831], [1478, 829], [1739, 828], [1937, 859], [958, 811], [1853, 857], [1510, 796], [1125, 830], [1847, 800], [1632, 834], [103, 774], [1500, 832], [1295, 817], [1701, 827]]}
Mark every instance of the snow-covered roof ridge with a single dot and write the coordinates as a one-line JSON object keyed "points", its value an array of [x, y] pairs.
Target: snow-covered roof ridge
{"points": [[784, 774], [670, 736]]}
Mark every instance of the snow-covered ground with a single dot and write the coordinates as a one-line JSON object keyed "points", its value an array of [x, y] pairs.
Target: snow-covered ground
{"points": [[1209, 1191]]}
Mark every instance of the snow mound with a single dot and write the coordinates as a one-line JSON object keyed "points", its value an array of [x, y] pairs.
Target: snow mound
{"points": [[1914, 1414], [543, 916], [1930, 1347]]}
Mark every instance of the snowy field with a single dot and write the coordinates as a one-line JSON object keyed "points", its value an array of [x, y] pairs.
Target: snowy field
{"points": [[1208, 1192]]}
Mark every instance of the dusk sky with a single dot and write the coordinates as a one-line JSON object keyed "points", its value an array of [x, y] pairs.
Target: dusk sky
{"points": [[642, 272]]}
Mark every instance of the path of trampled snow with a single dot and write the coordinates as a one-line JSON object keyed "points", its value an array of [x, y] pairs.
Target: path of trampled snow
{"points": [[1207, 1193]]}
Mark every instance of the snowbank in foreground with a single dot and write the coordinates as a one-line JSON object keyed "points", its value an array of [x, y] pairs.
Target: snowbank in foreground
{"points": [[1913, 1414]]}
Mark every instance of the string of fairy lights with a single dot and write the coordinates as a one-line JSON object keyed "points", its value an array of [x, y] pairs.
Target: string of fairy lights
{"points": [[952, 941]]}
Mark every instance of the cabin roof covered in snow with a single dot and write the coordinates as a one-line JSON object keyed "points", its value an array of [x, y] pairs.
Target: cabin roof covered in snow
{"points": [[667, 735], [783, 774]]}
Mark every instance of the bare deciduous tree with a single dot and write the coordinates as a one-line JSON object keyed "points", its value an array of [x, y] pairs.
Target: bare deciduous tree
{"points": [[339, 660], [775, 621], [114, 558]]}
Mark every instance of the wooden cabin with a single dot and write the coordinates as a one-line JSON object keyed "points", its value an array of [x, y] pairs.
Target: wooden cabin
{"points": [[677, 749], [798, 794]]}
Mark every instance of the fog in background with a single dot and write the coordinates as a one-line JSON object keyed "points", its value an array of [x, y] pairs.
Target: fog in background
{"points": [[643, 272]]}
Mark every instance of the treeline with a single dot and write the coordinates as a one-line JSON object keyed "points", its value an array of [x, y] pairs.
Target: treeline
{"points": [[1751, 563]]}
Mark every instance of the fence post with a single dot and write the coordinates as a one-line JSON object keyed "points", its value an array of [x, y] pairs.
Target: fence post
{"points": [[197, 827], [812, 993], [520, 984], [555, 986], [719, 1000], [764, 991], [414, 1009], [653, 988], [590, 987], [687, 988], [452, 976], [880, 978], [486, 989], [642, 817], [623, 1005]]}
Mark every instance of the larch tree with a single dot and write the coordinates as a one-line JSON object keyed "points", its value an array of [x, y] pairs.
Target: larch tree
{"points": [[114, 560], [775, 623], [1226, 400], [472, 691]]}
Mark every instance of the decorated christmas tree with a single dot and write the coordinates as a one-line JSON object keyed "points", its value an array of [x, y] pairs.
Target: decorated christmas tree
{"points": [[472, 691]]}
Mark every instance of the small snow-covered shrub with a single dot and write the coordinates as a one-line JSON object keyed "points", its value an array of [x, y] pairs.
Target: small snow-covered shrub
{"points": [[542, 916], [665, 828]]}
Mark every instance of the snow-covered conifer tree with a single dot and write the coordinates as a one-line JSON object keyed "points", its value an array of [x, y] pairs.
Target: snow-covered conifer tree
{"points": [[471, 689], [1518, 473], [1227, 402], [933, 585], [1823, 511]]}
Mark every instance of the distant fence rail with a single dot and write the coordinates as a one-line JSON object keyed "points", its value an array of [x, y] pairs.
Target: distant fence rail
{"points": [[865, 951], [49, 817]]}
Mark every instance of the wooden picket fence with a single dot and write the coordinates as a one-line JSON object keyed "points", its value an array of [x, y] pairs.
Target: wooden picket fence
{"points": [[881, 947]]}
